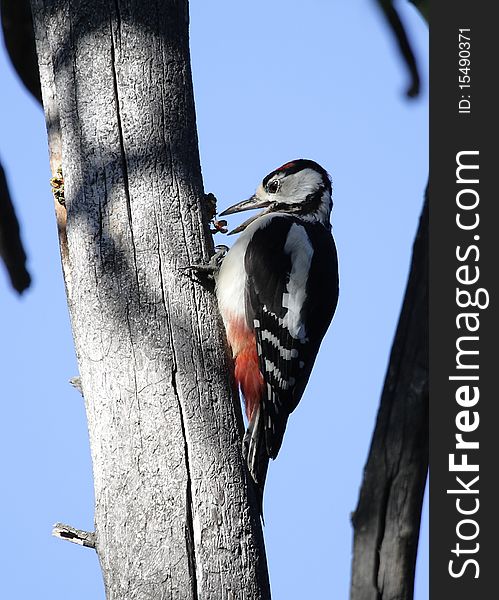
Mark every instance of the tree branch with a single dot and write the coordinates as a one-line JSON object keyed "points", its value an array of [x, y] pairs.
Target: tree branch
{"points": [[395, 23], [17, 25], [424, 8], [77, 536], [11, 247], [386, 521]]}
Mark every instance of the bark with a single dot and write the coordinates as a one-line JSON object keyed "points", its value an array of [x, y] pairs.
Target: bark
{"points": [[386, 521], [175, 516]]}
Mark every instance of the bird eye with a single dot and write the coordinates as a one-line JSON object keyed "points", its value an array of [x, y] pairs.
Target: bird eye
{"points": [[273, 186]]}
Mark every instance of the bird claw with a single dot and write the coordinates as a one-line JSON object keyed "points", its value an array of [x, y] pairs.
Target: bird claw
{"points": [[210, 269], [220, 253]]}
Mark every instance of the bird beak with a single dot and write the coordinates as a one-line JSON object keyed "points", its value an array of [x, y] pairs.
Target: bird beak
{"points": [[249, 204]]}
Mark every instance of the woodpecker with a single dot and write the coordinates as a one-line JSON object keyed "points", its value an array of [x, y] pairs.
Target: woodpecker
{"points": [[277, 290]]}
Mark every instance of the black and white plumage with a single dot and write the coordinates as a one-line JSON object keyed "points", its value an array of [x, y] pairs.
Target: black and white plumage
{"points": [[277, 291]]}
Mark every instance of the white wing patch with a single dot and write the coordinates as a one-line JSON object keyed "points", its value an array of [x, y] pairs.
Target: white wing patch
{"points": [[274, 340], [300, 249], [270, 367]]}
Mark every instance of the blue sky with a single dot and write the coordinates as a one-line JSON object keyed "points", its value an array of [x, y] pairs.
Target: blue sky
{"points": [[273, 82]]}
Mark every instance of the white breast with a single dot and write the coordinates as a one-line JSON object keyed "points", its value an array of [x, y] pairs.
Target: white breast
{"points": [[231, 279]]}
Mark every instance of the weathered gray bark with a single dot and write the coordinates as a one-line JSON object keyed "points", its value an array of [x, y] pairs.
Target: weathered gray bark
{"points": [[386, 521], [174, 516]]}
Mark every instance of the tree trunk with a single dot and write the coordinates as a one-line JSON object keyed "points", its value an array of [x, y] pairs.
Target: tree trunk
{"points": [[174, 512], [386, 521]]}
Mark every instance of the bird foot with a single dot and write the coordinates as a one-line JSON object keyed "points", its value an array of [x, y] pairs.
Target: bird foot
{"points": [[209, 270]]}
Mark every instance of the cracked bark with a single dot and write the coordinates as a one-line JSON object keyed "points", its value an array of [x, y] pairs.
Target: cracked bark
{"points": [[174, 515], [386, 521]]}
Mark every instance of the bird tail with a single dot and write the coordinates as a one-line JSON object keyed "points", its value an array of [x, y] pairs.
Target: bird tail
{"points": [[255, 454]]}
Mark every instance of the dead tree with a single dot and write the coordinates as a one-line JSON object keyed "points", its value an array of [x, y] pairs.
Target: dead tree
{"points": [[387, 518], [386, 521], [174, 516]]}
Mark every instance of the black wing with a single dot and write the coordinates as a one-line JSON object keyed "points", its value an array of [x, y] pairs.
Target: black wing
{"points": [[291, 296]]}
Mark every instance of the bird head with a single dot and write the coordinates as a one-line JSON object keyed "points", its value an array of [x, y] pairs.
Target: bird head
{"points": [[300, 187]]}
